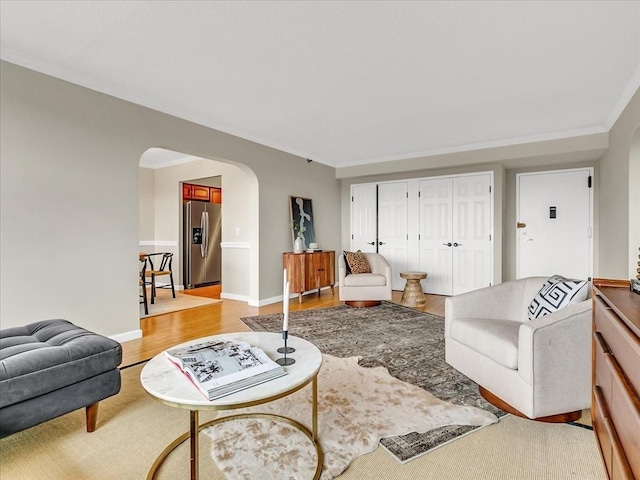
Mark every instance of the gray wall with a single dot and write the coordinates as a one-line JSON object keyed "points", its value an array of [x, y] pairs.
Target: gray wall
{"points": [[70, 190], [69, 200], [616, 182]]}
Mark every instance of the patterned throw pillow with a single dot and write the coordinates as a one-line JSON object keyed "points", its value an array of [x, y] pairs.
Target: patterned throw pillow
{"points": [[557, 293], [357, 262]]}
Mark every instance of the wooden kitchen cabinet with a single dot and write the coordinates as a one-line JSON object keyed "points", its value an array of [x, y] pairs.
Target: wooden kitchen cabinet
{"points": [[195, 192], [215, 194], [615, 407], [310, 271]]}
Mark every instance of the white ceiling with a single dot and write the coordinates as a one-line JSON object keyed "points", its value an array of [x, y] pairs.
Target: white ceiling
{"points": [[347, 83]]}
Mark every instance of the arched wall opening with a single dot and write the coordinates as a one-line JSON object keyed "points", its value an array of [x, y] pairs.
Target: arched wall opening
{"points": [[634, 205], [161, 175]]}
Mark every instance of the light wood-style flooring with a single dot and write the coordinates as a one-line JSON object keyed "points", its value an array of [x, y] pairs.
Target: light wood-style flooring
{"points": [[163, 331]]}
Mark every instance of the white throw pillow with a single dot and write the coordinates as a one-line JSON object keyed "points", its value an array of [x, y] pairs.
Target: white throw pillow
{"points": [[557, 293]]}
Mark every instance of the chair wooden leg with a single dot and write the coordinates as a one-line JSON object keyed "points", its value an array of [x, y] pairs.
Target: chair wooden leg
{"points": [[363, 303], [502, 405], [144, 298], [173, 289], [153, 289], [92, 416]]}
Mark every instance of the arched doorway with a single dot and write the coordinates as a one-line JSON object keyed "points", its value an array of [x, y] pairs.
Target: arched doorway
{"points": [[634, 206], [161, 175]]}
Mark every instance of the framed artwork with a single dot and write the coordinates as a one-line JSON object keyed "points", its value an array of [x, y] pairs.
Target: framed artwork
{"points": [[301, 217]]}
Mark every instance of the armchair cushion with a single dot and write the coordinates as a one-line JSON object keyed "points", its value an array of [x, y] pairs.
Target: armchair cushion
{"points": [[495, 339], [357, 262], [557, 293], [365, 280]]}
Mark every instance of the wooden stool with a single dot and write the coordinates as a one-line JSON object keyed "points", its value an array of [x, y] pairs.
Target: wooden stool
{"points": [[412, 296]]}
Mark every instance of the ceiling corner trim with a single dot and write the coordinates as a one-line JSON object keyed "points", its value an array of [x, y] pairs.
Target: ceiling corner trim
{"points": [[545, 137], [628, 92]]}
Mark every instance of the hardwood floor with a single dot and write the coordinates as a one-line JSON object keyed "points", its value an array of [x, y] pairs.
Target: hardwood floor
{"points": [[163, 331]]}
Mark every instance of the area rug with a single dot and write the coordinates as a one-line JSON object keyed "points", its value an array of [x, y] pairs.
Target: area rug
{"points": [[165, 303], [357, 407], [408, 342]]}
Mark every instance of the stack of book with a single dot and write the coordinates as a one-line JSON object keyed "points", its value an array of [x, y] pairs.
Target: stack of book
{"points": [[224, 366]]}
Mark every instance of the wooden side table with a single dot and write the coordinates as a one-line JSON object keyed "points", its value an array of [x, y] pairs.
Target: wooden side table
{"points": [[310, 271], [412, 296]]}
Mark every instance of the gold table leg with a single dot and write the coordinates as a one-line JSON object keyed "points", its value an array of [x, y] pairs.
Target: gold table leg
{"points": [[194, 430]]}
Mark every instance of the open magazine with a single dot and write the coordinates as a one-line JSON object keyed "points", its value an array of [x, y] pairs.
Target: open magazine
{"points": [[225, 366]]}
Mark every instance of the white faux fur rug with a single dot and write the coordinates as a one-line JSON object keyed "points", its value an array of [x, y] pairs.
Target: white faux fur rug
{"points": [[357, 407]]}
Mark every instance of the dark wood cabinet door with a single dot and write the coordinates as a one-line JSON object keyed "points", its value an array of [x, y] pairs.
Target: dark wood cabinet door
{"points": [[295, 265], [325, 267], [199, 192], [215, 195]]}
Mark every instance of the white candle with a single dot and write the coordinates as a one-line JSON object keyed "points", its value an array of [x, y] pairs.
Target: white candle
{"points": [[284, 283], [285, 308]]}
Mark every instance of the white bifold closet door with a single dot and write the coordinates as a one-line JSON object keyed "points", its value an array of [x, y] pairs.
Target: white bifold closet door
{"points": [[455, 233], [364, 217], [393, 239], [379, 223]]}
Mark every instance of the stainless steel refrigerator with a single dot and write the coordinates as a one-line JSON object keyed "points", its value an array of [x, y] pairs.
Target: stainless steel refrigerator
{"points": [[202, 237]]}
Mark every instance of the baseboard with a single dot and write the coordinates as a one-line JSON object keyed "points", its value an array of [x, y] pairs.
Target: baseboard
{"points": [[126, 336], [265, 301], [233, 296], [279, 298]]}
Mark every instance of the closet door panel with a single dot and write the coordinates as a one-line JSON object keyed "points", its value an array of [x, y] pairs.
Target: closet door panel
{"points": [[364, 217], [471, 233], [393, 216], [436, 231]]}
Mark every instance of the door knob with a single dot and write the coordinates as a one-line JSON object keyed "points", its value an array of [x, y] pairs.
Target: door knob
{"points": [[447, 244], [381, 243], [456, 244], [371, 243]]}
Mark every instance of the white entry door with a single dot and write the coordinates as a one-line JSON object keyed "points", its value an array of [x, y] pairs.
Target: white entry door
{"points": [[364, 217], [555, 220], [393, 240]]}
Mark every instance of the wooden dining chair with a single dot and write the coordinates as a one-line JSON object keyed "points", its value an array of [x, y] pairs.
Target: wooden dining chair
{"points": [[163, 269], [143, 283]]}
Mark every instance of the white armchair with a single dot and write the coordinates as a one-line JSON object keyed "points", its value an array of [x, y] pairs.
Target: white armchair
{"points": [[540, 369], [365, 289]]}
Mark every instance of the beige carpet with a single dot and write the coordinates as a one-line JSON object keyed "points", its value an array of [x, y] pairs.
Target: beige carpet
{"points": [[133, 429], [165, 303]]}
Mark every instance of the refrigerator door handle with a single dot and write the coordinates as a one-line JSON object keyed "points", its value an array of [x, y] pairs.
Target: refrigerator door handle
{"points": [[205, 233], [187, 240]]}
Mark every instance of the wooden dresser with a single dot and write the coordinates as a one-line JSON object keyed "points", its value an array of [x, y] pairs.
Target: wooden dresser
{"points": [[310, 271], [615, 406]]}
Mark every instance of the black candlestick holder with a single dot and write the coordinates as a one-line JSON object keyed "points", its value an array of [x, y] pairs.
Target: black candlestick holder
{"points": [[284, 361]]}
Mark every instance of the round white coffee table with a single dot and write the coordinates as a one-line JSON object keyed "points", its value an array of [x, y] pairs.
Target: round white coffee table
{"points": [[166, 383]]}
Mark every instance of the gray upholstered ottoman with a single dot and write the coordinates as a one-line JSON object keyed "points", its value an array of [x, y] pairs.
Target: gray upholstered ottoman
{"points": [[51, 368]]}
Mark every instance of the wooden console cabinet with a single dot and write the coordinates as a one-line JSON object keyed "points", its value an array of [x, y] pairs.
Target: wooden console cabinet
{"points": [[310, 271], [615, 407]]}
